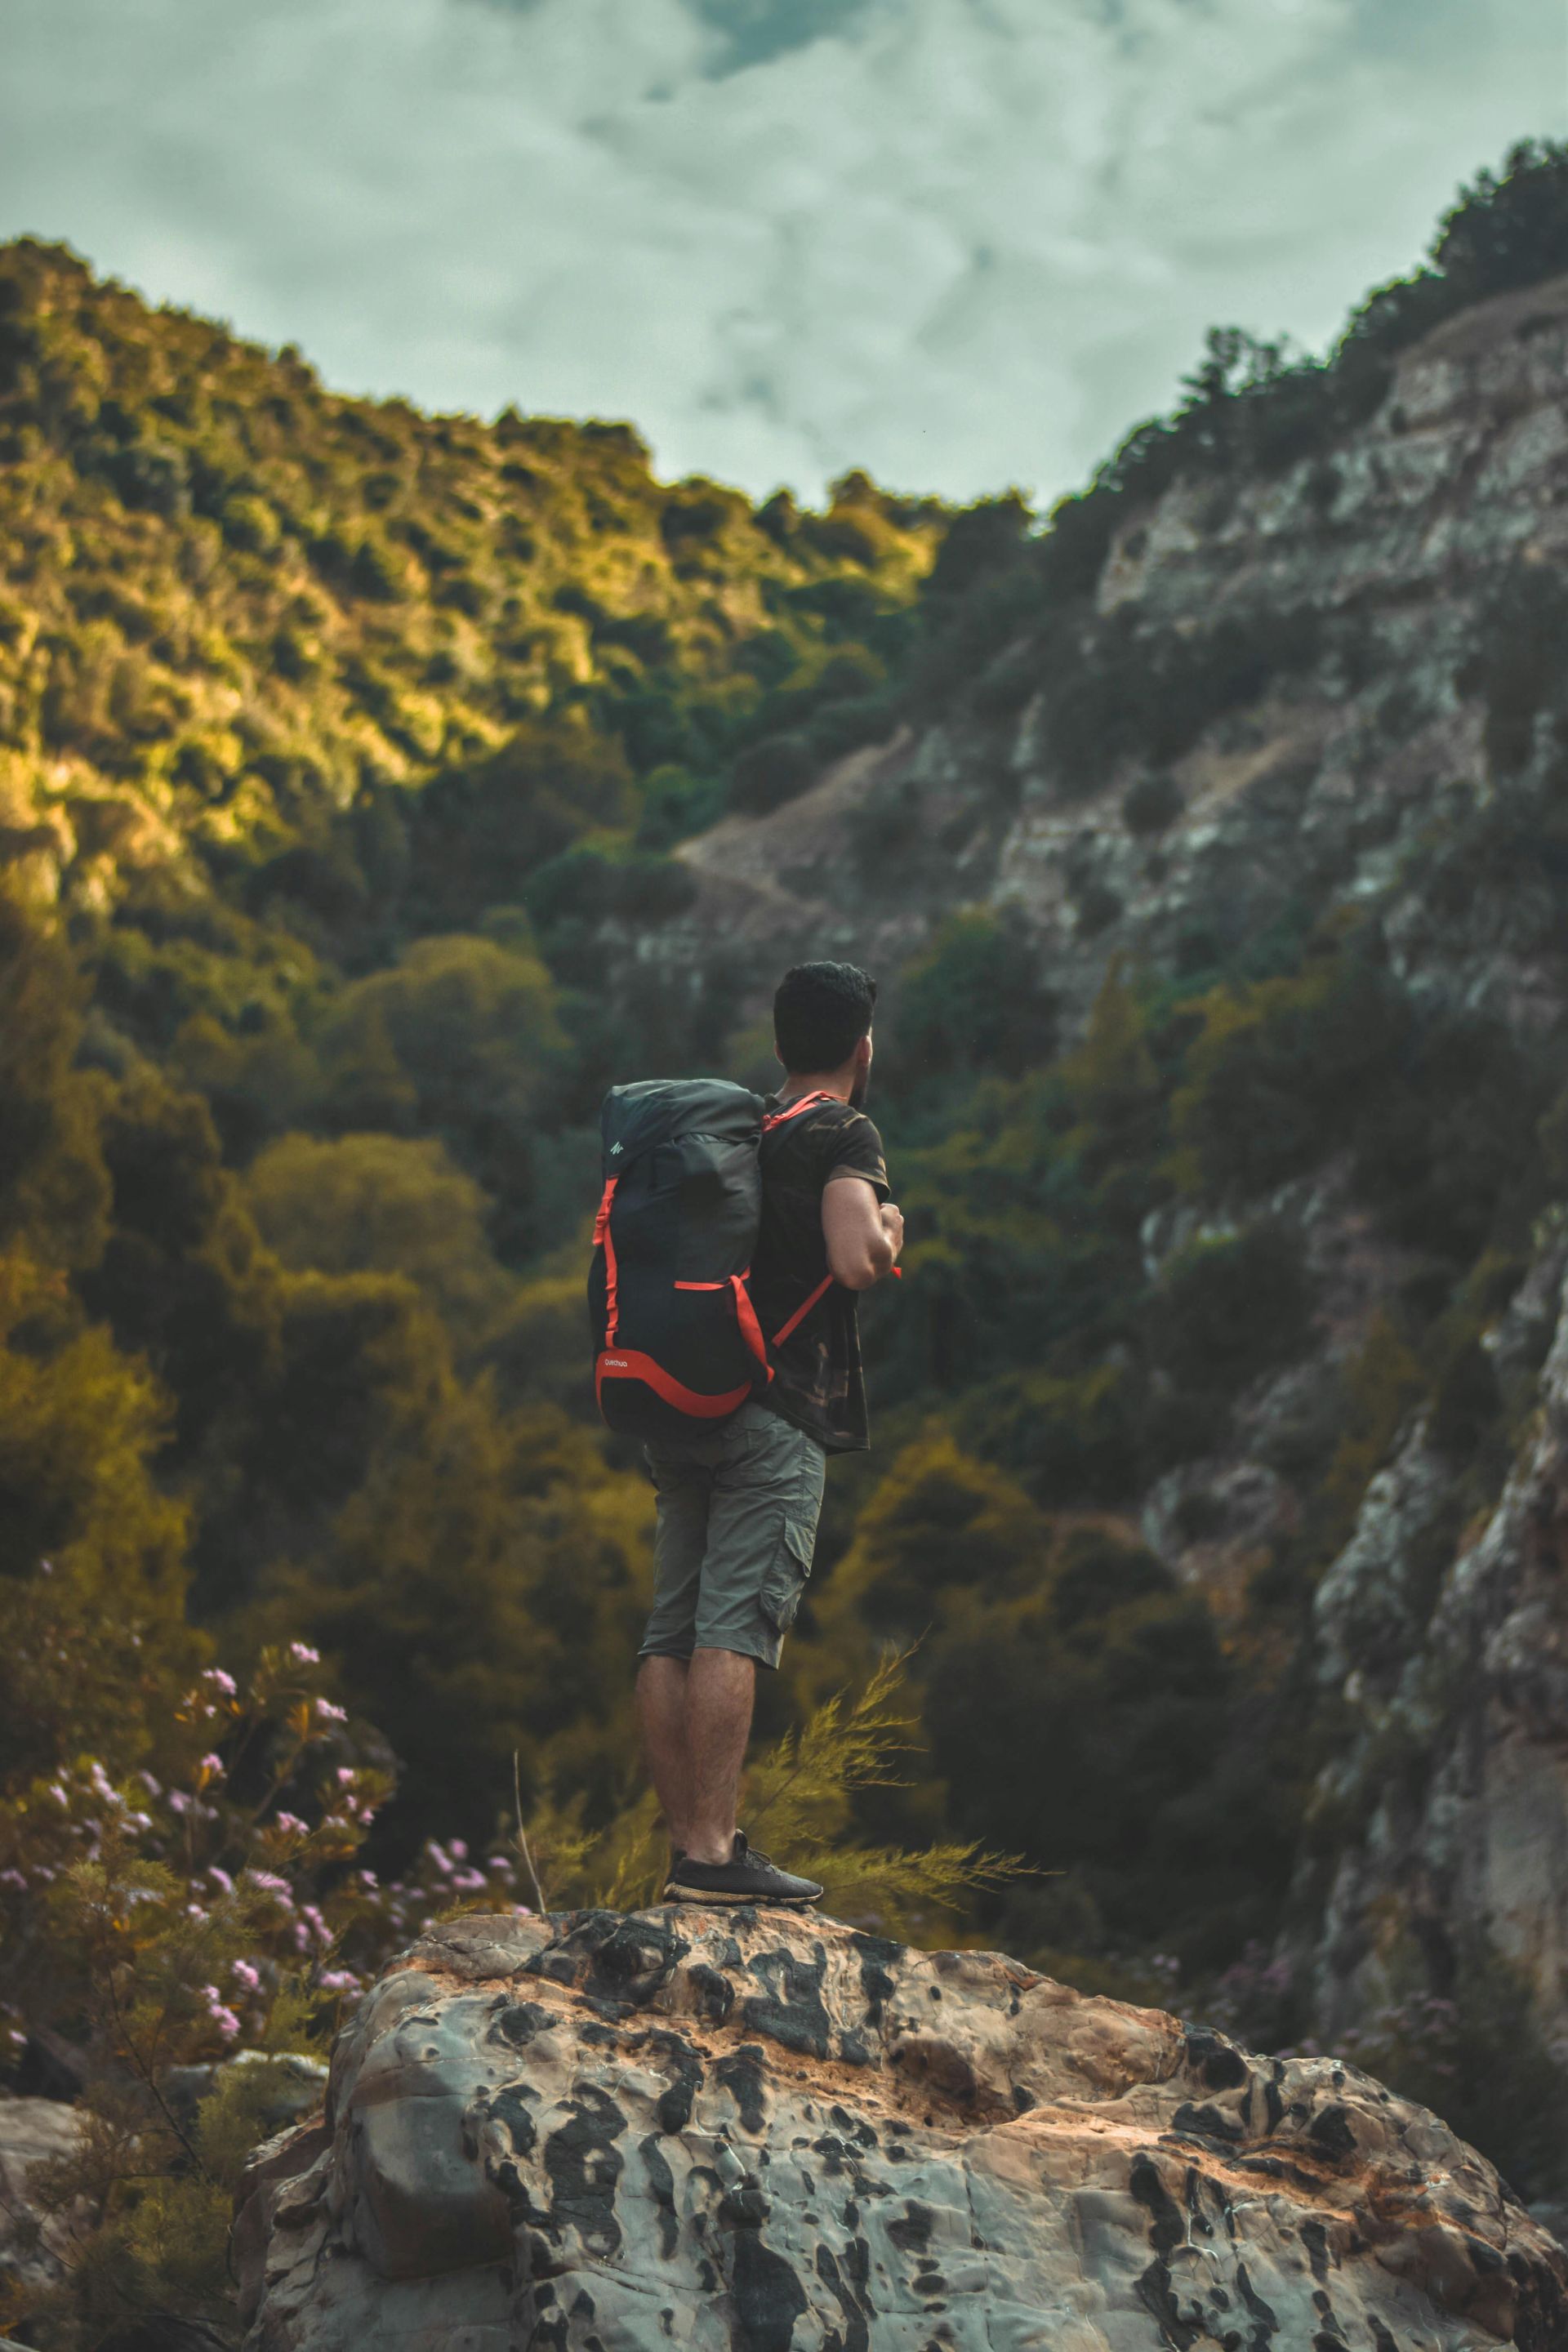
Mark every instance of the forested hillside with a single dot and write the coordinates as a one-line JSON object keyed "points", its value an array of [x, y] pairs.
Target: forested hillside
{"points": [[376, 787]]}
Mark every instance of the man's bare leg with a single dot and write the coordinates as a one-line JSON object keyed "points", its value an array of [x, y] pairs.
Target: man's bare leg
{"points": [[661, 1711], [720, 1690]]}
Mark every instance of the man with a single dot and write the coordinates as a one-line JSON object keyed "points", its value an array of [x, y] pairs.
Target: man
{"points": [[738, 1508]]}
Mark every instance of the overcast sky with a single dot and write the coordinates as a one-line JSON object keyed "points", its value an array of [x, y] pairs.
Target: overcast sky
{"points": [[963, 243]]}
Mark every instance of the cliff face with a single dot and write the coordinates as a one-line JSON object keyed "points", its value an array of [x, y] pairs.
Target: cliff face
{"points": [[764, 2132], [1350, 742], [1446, 1680]]}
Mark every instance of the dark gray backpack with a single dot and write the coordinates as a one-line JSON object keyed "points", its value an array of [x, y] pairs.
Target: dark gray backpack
{"points": [[677, 1342]]}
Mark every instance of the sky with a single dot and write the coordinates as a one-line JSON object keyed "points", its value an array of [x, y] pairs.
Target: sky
{"points": [[964, 244]]}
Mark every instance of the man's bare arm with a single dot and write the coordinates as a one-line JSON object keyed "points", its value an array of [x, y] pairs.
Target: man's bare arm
{"points": [[863, 1235]]}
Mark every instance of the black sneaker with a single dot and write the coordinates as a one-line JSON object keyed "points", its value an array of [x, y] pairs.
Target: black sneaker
{"points": [[747, 1877]]}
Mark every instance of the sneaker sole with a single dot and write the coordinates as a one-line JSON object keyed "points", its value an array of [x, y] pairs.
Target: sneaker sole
{"points": [[673, 1893]]}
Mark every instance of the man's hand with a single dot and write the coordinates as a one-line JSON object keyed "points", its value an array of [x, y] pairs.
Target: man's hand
{"points": [[863, 1235]]}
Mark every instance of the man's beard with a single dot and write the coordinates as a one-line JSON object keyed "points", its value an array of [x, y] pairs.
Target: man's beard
{"points": [[858, 1091]]}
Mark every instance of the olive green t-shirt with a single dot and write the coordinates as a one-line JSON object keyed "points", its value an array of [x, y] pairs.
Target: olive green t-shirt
{"points": [[817, 1379]]}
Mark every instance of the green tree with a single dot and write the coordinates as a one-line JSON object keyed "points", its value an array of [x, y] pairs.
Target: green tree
{"points": [[973, 1001], [459, 1039], [54, 1192], [383, 1204]]}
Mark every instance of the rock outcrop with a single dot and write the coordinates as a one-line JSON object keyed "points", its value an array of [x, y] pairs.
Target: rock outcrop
{"points": [[769, 2133], [33, 2132], [1451, 1683]]}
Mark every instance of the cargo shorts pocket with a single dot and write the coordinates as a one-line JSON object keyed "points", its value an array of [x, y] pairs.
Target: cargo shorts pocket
{"points": [[786, 1579]]}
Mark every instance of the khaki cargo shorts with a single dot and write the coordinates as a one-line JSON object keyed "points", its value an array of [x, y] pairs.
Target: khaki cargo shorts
{"points": [[738, 1509]]}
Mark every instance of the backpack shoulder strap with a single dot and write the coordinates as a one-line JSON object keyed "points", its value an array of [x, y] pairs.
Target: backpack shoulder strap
{"points": [[793, 1109]]}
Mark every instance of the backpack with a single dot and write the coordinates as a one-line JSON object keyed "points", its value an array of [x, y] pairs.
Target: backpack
{"points": [[677, 1342]]}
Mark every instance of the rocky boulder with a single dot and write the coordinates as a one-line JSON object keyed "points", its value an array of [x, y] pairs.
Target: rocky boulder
{"points": [[761, 2132], [34, 2250]]}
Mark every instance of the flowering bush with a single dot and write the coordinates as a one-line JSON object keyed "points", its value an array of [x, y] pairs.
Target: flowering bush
{"points": [[251, 1840], [162, 1922]]}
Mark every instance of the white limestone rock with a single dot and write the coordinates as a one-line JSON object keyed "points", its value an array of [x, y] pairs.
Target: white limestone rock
{"points": [[764, 2132]]}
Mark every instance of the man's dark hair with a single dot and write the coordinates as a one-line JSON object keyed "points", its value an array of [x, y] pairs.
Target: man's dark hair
{"points": [[821, 1012]]}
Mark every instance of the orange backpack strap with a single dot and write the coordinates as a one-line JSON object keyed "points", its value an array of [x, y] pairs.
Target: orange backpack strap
{"points": [[802, 1310], [746, 1317], [776, 1118], [602, 1240], [793, 1111]]}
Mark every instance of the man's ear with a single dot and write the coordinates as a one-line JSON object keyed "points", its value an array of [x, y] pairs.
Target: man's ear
{"points": [[780, 1059], [863, 1053]]}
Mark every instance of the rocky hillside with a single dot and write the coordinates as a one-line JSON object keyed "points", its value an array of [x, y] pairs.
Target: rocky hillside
{"points": [[1442, 1659], [762, 2132], [1297, 689]]}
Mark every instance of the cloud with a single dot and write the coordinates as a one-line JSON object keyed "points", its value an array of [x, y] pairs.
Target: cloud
{"points": [[753, 31], [962, 242]]}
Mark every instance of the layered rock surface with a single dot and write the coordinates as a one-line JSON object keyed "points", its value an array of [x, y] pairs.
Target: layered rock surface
{"points": [[1461, 1683], [33, 2133], [1375, 563], [769, 2133]]}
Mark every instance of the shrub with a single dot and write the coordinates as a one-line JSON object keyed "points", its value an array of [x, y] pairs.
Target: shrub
{"points": [[462, 591], [1227, 1310], [802, 1792], [1098, 907], [376, 570], [382, 1204], [1509, 230], [1084, 1723], [1382, 1382], [1517, 661], [1466, 1401], [590, 886], [479, 831], [1284, 1066], [1152, 803], [980, 541], [846, 723], [939, 1526], [778, 518], [767, 775], [675, 804], [696, 512], [248, 523], [163, 1922], [1445, 1152], [844, 533], [153, 475], [1068, 1440], [973, 1001]]}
